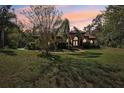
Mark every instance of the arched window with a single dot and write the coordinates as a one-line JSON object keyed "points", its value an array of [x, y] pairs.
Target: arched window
{"points": [[75, 41], [91, 41], [75, 38]]}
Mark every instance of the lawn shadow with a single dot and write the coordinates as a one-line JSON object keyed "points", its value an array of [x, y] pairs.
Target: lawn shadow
{"points": [[87, 54], [8, 52], [74, 50], [65, 50], [51, 57]]}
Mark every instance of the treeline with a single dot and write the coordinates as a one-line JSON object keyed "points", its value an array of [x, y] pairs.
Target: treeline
{"points": [[9, 30], [108, 26]]}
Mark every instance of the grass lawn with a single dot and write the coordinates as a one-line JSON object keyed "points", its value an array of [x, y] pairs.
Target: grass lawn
{"points": [[83, 68]]}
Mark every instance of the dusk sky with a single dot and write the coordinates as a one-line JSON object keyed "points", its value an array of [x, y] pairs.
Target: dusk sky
{"points": [[78, 15]]}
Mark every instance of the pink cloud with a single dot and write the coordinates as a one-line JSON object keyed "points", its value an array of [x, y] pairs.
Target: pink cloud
{"points": [[80, 14], [22, 18], [81, 18], [80, 24]]}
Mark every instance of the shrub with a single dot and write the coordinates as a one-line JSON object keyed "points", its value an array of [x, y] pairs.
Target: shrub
{"points": [[32, 46], [13, 40], [62, 45], [87, 45]]}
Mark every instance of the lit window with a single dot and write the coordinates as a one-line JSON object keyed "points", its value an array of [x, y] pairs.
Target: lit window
{"points": [[75, 38], [84, 40], [76, 43], [91, 41]]}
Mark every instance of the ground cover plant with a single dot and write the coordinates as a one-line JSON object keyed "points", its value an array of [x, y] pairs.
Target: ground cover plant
{"points": [[80, 68]]}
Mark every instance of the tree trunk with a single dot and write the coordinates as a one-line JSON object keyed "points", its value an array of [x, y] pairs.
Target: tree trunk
{"points": [[45, 52], [2, 39], [68, 42], [55, 46]]}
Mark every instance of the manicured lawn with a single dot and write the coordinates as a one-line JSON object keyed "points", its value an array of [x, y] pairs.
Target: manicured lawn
{"points": [[83, 68]]}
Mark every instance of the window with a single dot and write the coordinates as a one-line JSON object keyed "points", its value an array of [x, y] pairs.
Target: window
{"points": [[91, 41], [84, 40], [75, 38], [75, 41]]}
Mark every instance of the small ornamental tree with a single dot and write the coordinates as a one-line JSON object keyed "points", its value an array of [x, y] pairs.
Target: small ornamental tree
{"points": [[46, 19]]}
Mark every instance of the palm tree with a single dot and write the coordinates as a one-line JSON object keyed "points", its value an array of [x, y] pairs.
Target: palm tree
{"points": [[78, 31], [5, 21], [64, 30]]}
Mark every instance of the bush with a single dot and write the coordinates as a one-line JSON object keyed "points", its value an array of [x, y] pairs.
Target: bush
{"points": [[13, 40], [12, 36], [51, 46], [30, 46], [62, 45], [13, 44], [87, 45], [33, 45]]}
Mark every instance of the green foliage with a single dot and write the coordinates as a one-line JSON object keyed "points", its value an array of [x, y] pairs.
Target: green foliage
{"points": [[6, 24], [108, 26], [22, 40], [28, 41], [113, 26], [63, 33], [62, 45], [78, 32], [64, 29], [12, 38], [33, 45]]}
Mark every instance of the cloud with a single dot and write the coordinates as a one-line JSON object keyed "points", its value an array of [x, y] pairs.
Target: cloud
{"points": [[80, 23], [81, 18], [80, 15], [23, 8], [22, 18]]}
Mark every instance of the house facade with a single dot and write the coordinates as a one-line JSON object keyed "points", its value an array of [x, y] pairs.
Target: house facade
{"points": [[77, 40]]}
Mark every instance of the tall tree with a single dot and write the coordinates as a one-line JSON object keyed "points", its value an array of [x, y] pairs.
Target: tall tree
{"points": [[78, 31], [64, 29], [97, 28], [46, 19], [108, 26], [5, 21], [114, 26]]}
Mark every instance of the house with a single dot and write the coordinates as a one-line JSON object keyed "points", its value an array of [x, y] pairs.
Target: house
{"points": [[77, 40]]}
